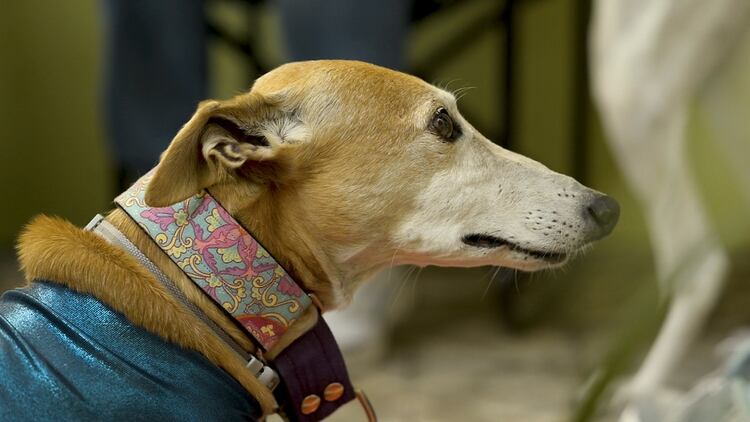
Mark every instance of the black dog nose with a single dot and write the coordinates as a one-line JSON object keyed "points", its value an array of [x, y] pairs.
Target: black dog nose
{"points": [[604, 211]]}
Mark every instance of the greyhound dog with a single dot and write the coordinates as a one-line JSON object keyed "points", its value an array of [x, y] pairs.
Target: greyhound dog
{"points": [[325, 173]]}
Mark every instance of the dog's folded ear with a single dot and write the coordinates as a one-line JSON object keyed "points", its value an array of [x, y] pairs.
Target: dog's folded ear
{"points": [[220, 139]]}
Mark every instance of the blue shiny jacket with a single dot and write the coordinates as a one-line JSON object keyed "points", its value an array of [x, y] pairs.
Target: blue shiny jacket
{"points": [[67, 356]]}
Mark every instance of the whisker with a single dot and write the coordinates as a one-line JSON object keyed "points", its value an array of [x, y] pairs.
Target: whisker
{"points": [[414, 287], [445, 86], [487, 289], [390, 267], [461, 92], [401, 287]]}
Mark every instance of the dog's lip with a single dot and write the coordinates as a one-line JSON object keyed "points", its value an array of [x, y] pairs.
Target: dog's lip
{"points": [[480, 240]]}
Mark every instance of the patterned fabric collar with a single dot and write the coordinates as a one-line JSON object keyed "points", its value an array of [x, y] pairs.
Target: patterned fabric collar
{"points": [[234, 270], [223, 259]]}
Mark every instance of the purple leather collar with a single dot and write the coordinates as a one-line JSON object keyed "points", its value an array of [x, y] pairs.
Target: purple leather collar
{"points": [[237, 273], [314, 380]]}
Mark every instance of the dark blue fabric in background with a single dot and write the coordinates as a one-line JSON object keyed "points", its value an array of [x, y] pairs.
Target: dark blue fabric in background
{"points": [[67, 356]]}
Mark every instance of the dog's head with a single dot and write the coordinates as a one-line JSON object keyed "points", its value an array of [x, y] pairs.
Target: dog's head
{"points": [[358, 167]]}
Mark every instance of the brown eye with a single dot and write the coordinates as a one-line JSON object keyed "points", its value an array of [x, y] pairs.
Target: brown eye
{"points": [[442, 124]]}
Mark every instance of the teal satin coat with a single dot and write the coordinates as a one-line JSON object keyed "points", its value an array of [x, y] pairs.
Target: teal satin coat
{"points": [[65, 356]]}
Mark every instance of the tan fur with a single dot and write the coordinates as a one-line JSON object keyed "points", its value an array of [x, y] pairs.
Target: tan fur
{"points": [[265, 193]]}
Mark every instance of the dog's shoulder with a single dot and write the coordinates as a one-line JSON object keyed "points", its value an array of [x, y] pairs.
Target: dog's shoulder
{"points": [[52, 248], [60, 261]]}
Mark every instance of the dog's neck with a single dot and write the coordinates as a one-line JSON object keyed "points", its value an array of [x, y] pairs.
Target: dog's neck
{"points": [[284, 231], [288, 242]]}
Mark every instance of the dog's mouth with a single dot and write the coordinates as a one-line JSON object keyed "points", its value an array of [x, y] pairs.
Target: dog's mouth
{"points": [[490, 242]]}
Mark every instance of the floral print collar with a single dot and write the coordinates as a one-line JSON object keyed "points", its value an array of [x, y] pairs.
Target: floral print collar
{"points": [[223, 259]]}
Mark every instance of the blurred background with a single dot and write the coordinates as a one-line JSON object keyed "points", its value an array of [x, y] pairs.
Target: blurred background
{"points": [[501, 345]]}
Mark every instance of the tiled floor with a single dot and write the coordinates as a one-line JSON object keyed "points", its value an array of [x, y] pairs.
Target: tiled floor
{"points": [[475, 374]]}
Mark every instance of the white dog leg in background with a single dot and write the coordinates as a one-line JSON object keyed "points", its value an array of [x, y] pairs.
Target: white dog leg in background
{"points": [[649, 59]]}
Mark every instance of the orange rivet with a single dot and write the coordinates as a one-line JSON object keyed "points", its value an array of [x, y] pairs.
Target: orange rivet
{"points": [[333, 392], [310, 404]]}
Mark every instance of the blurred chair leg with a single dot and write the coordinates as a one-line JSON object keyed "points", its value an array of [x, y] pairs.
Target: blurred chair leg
{"points": [[520, 312]]}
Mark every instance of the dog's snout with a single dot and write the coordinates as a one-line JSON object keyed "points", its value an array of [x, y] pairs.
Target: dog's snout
{"points": [[603, 212]]}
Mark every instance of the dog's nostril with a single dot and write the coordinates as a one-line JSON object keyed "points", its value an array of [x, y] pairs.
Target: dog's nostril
{"points": [[605, 212]]}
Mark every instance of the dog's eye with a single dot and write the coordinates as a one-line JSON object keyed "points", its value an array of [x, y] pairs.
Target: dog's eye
{"points": [[442, 125]]}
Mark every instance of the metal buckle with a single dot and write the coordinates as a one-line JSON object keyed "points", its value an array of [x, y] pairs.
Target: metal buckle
{"points": [[265, 374], [254, 365], [92, 225], [269, 378]]}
